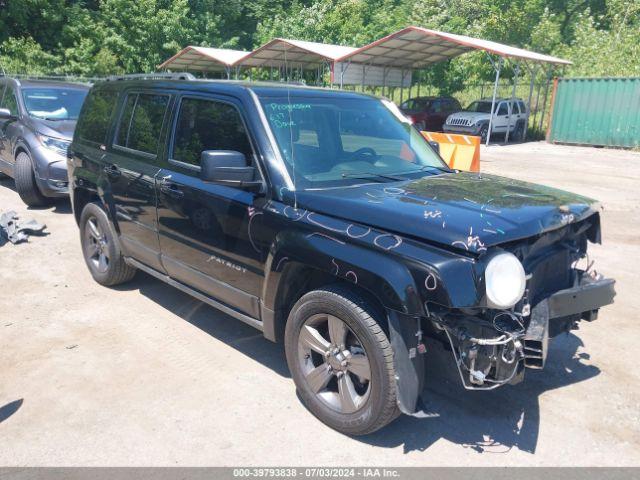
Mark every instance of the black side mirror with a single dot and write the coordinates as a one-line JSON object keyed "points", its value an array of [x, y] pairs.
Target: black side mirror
{"points": [[435, 146], [5, 114], [227, 167]]}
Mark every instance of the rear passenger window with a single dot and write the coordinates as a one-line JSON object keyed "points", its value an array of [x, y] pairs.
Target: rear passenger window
{"points": [[208, 125], [141, 122], [95, 117], [502, 109]]}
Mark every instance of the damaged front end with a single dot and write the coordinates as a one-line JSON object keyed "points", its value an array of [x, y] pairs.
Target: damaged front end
{"points": [[493, 346]]}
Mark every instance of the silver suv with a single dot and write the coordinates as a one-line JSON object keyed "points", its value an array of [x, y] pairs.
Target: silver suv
{"points": [[37, 120], [474, 120]]}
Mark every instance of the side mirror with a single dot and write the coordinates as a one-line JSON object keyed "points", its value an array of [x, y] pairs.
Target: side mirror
{"points": [[435, 146], [5, 114], [227, 167]]}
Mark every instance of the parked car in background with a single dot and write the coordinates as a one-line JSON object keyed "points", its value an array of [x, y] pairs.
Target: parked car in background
{"points": [[348, 245], [37, 120], [474, 120], [429, 113]]}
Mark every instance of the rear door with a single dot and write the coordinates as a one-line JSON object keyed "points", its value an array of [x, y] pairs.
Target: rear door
{"points": [[209, 233], [129, 170], [515, 115]]}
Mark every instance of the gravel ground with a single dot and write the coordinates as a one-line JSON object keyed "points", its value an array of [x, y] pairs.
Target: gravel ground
{"points": [[146, 375]]}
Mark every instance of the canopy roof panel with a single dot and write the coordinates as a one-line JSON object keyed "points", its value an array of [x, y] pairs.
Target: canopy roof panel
{"points": [[203, 59], [417, 47], [294, 52]]}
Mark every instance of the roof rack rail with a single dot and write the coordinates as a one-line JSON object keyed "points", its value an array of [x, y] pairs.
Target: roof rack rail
{"points": [[152, 76]]}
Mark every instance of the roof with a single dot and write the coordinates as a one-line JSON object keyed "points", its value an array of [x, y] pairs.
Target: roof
{"points": [[261, 88], [51, 83], [203, 59], [417, 47], [295, 52]]}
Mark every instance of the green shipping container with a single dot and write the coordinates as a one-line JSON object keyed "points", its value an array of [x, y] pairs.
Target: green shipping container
{"points": [[596, 111]]}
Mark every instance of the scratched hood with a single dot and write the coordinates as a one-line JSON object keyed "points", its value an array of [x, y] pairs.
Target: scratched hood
{"points": [[55, 128], [466, 211]]}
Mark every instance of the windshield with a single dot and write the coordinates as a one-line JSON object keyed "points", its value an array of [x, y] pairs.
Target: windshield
{"points": [[335, 141], [480, 107], [54, 103]]}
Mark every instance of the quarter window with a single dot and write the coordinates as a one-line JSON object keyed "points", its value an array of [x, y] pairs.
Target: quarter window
{"points": [[141, 122], [208, 125], [95, 118]]}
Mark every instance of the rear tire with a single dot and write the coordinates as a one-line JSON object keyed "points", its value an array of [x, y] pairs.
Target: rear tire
{"points": [[347, 380], [101, 249], [484, 133], [518, 135], [25, 181]]}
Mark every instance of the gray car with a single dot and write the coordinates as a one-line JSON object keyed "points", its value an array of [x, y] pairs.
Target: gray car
{"points": [[37, 120]]}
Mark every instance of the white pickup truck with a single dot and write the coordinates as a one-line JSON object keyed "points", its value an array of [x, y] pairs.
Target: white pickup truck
{"points": [[474, 120]]}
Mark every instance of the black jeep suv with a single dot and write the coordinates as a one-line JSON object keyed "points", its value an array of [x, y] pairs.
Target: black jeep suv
{"points": [[37, 119], [351, 248]]}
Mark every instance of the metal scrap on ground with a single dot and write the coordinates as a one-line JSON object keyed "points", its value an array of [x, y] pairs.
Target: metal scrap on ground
{"points": [[15, 232]]}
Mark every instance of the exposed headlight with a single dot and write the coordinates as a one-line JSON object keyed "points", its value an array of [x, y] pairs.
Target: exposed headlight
{"points": [[58, 145], [505, 280]]}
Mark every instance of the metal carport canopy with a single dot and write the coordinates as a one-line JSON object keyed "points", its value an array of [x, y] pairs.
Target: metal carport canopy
{"points": [[204, 59], [282, 52], [416, 47]]}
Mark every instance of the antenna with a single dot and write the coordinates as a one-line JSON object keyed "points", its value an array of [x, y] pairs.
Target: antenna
{"points": [[293, 155]]}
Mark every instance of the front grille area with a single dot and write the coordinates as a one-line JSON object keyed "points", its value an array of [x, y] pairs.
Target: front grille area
{"points": [[550, 272], [459, 121]]}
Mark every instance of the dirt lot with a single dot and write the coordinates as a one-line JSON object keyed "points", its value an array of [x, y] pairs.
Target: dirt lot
{"points": [[145, 375]]}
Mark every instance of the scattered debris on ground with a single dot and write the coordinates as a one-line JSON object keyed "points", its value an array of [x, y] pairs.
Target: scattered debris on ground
{"points": [[14, 231]]}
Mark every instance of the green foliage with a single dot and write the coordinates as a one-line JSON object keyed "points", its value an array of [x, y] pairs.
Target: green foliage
{"points": [[100, 37]]}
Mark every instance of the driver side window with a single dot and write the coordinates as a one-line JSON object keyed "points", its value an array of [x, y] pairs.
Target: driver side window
{"points": [[208, 125]]}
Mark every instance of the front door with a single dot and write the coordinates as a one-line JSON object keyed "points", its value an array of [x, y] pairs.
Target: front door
{"points": [[130, 168], [209, 234]]}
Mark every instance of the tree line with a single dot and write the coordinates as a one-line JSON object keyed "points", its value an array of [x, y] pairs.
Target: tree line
{"points": [[101, 37]]}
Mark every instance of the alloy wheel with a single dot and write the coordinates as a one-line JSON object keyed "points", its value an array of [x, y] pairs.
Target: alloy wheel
{"points": [[334, 363], [97, 245]]}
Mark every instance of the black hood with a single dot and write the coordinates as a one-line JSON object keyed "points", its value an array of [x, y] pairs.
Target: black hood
{"points": [[54, 128], [466, 211]]}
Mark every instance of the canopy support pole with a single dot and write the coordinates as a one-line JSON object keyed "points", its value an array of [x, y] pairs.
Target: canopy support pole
{"points": [[343, 68], [497, 68], [512, 102], [533, 71], [384, 79], [546, 92]]}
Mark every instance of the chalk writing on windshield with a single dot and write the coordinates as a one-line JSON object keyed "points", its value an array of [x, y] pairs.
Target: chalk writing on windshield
{"points": [[280, 113]]}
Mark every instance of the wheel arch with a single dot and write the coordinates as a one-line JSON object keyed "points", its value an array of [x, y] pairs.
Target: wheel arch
{"points": [[298, 264]]}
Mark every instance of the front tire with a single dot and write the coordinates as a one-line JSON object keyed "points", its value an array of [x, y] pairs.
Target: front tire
{"points": [[25, 181], [101, 249], [341, 361]]}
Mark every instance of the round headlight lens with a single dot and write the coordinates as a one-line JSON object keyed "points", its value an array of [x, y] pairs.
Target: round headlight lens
{"points": [[505, 280]]}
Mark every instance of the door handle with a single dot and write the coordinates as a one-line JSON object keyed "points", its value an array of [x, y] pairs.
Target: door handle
{"points": [[171, 189], [112, 171]]}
